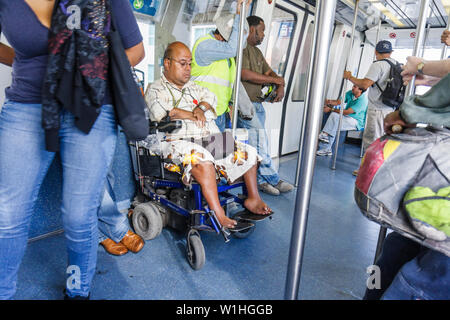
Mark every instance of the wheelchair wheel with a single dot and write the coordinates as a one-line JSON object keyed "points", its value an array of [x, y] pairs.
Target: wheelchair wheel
{"points": [[195, 252], [147, 221]]}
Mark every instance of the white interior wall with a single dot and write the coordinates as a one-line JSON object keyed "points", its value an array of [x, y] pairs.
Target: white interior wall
{"points": [[358, 61], [368, 56], [340, 45], [404, 38]]}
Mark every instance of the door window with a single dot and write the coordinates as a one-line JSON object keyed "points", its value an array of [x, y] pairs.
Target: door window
{"points": [[301, 72], [280, 38]]}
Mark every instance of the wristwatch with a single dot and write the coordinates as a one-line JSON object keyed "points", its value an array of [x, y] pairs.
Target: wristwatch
{"points": [[420, 67], [202, 107]]}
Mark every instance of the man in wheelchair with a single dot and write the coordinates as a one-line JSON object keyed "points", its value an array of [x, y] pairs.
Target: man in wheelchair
{"points": [[198, 150]]}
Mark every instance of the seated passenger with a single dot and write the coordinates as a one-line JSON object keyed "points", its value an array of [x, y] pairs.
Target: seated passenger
{"points": [[174, 95], [353, 118]]}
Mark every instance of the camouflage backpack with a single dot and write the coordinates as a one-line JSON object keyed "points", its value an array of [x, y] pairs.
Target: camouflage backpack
{"points": [[404, 184]]}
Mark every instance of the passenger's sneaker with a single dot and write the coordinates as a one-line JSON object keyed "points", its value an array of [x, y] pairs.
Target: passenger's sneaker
{"points": [[324, 152], [268, 188], [284, 186], [324, 138]]}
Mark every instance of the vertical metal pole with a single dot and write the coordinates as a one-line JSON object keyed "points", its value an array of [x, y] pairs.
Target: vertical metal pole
{"points": [[444, 48], [373, 58], [324, 20], [341, 111], [306, 103], [237, 81], [420, 37]]}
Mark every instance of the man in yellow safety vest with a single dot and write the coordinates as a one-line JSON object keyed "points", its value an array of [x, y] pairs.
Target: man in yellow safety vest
{"points": [[213, 62]]}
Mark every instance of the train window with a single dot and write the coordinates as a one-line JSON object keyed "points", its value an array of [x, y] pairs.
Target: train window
{"points": [[200, 31], [171, 21], [400, 54], [281, 31], [147, 66], [301, 72], [429, 54]]}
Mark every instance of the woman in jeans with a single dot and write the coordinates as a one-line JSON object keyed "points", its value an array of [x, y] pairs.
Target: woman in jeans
{"points": [[24, 158]]}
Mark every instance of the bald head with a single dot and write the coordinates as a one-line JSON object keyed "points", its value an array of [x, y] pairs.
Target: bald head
{"points": [[177, 63], [173, 47]]}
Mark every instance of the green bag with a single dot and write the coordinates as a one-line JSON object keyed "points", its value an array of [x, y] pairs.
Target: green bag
{"points": [[429, 212], [432, 108]]}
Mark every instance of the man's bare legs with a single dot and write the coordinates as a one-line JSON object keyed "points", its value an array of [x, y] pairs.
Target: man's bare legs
{"points": [[205, 174], [254, 202]]}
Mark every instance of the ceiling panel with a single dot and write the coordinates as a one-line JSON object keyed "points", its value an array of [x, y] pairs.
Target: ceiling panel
{"points": [[397, 13]]}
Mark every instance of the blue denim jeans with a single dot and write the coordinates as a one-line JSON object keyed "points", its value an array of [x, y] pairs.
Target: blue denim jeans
{"points": [[223, 121], [426, 277], [410, 271], [112, 223], [332, 125], [257, 137], [23, 165]]}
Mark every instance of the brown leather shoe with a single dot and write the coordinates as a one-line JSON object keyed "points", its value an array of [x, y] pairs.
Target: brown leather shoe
{"points": [[113, 247], [132, 241]]}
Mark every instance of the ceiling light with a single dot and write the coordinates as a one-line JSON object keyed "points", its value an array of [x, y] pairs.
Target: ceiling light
{"points": [[350, 3], [377, 4], [446, 4]]}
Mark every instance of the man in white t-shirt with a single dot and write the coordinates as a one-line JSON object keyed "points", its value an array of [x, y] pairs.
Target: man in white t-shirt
{"points": [[375, 79]]}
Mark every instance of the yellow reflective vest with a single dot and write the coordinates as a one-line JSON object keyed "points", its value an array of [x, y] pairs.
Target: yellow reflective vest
{"points": [[217, 77]]}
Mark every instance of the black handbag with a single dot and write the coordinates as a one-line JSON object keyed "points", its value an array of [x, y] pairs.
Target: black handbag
{"points": [[128, 101]]}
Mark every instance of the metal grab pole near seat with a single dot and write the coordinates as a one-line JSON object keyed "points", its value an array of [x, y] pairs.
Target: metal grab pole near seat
{"points": [[418, 43], [341, 110], [237, 80], [324, 20]]}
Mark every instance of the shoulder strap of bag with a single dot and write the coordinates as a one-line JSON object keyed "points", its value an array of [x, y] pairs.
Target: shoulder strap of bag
{"points": [[391, 64]]}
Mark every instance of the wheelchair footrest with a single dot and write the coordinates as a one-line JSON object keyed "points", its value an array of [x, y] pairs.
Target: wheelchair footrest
{"points": [[241, 226], [247, 215]]}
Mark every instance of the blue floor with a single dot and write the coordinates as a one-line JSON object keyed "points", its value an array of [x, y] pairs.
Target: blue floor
{"points": [[340, 245]]}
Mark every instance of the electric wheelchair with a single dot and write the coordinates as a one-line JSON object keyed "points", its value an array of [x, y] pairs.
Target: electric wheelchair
{"points": [[163, 200]]}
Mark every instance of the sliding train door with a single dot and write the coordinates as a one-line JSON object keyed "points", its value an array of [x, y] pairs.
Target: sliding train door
{"points": [[296, 82], [287, 50]]}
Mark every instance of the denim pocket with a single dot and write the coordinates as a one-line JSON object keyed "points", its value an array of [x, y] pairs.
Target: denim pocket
{"points": [[258, 107]]}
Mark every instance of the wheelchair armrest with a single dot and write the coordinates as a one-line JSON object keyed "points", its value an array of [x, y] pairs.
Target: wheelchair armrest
{"points": [[165, 126]]}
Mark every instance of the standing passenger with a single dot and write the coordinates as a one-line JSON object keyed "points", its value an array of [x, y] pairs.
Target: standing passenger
{"points": [[255, 73], [37, 35], [213, 63], [376, 78], [115, 234]]}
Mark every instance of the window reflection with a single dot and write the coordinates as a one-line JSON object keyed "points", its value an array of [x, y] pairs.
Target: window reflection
{"points": [[176, 20], [301, 72], [281, 32]]}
